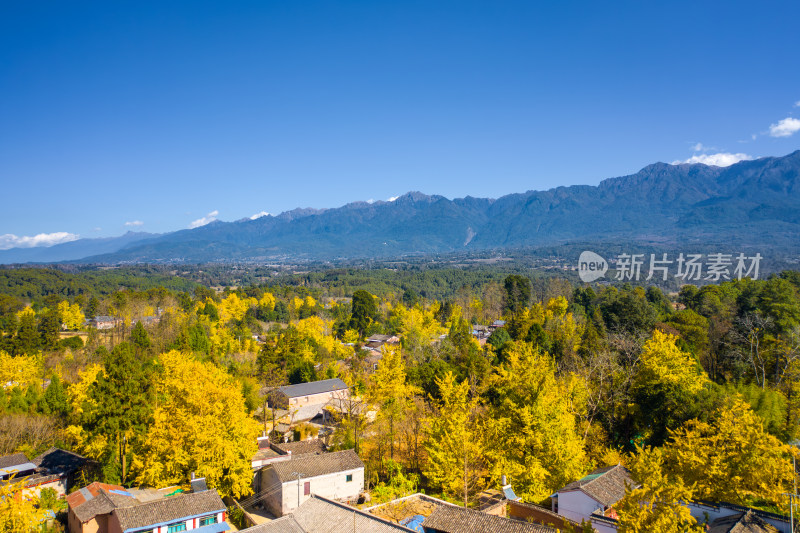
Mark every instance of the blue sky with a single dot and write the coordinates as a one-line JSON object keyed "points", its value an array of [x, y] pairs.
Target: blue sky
{"points": [[152, 116]]}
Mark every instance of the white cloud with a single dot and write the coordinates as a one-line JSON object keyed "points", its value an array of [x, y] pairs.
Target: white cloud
{"points": [[259, 215], [698, 147], [135, 223], [393, 198], [371, 201], [785, 128], [211, 217], [43, 239], [797, 103], [722, 159]]}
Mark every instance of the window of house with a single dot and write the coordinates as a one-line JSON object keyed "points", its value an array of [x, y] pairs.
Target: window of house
{"points": [[175, 528], [307, 488], [208, 520], [349, 477]]}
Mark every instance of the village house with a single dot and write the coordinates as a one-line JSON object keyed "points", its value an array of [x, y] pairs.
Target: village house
{"points": [[305, 401], [302, 394], [287, 484], [322, 515], [103, 322], [592, 497], [270, 452], [453, 519], [723, 517], [202, 512], [54, 469], [382, 339], [16, 465], [103, 508]]}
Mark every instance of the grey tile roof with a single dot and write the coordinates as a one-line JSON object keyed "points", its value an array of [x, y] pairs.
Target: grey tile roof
{"points": [[314, 387], [316, 465], [747, 522], [101, 504], [284, 524], [321, 515], [452, 519], [606, 485], [56, 460], [301, 447], [15, 459], [169, 509]]}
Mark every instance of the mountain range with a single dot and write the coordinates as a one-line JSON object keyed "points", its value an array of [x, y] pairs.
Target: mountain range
{"points": [[750, 205]]}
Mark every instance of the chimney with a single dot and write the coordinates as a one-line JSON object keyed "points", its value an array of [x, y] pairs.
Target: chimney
{"points": [[192, 475], [503, 481]]}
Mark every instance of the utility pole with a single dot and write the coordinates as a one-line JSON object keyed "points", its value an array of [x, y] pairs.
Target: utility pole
{"points": [[299, 475]]}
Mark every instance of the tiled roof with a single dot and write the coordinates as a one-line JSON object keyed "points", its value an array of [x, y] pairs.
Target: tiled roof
{"points": [[321, 515], [317, 465], [452, 519], [314, 387], [284, 524], [101, 501], [747, 522], [169, 509], [100, 504], [606, 485], [56, 460], [87, 493], [13, 460], [318, 515], [301, 447]]}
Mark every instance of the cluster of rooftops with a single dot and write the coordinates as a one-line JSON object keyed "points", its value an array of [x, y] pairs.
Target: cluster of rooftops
{"points": [[307, 488]]}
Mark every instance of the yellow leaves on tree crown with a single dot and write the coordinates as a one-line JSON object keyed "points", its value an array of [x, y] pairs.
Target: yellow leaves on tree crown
{"points": [[453, 438], [534, 425], [731, 457], [71, 315], [656, 505], [663, 362], [388, 384], [28, 311], [19, 511], [418, 321], [234, 308], [20, 370], [79, 401], [200, 425], [267, 301]]}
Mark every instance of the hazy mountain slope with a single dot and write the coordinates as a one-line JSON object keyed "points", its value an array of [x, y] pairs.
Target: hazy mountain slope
{"points": [[750, 203], [71, 250]]}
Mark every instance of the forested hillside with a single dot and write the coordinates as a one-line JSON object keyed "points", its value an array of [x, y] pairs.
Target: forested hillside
{"points": [[696, 392]]}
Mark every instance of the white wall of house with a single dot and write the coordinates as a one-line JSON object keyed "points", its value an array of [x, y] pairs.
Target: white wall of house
{"points": [[284, 500], [701, 513], [577, 505], [603, 527], [322, 397]]}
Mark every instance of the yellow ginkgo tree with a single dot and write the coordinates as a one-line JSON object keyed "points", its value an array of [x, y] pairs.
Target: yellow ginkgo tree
{"points": [[200, 424]]}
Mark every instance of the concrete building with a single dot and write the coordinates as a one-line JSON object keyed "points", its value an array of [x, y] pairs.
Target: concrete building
{"points": [[287, 484], [102, 508], [592, 497], [303, 394]]}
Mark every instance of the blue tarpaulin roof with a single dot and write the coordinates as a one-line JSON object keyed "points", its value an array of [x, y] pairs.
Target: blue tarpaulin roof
{"points": [[413, 522]]}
